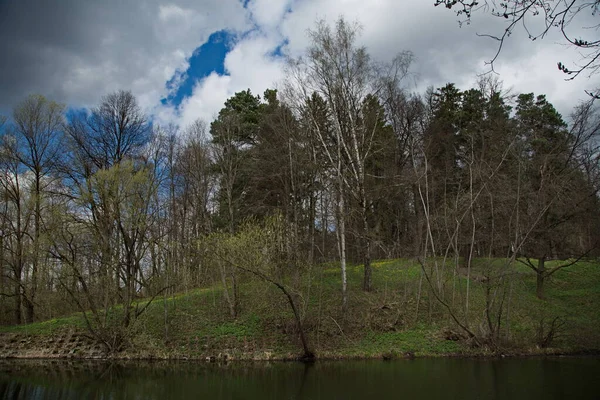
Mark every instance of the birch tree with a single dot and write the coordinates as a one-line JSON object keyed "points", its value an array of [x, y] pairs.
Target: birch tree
{"points": [[342, 73]]}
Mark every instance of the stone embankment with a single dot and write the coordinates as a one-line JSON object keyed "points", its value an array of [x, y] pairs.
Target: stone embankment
{"points": [[65, 345]]}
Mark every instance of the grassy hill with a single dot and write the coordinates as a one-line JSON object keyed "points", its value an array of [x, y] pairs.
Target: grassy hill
{"points": [[401, 317]]}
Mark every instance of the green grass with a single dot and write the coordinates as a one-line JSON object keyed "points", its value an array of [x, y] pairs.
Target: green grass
{"points": [[401, 316], [421, 341], [48, 327]]}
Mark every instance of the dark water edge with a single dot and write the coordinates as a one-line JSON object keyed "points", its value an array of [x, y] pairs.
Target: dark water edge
{"points": [[437, 378]]}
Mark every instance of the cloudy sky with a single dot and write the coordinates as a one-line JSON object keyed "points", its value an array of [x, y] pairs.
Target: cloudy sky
{"points": [[184, 58]]}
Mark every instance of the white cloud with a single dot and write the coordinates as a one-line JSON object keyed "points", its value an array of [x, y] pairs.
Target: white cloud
{"points": [[267, 14], [143, 45], [206, 99], [445, 52], [250, 64], [538, 73]]}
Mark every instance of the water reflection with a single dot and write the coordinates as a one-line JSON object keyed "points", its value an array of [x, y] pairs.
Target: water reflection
{"points": [[514, 379]]}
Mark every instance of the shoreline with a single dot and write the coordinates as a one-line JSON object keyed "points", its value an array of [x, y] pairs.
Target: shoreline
{"points": [[76, 346]]}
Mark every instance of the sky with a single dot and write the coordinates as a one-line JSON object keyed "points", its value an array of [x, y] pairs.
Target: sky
{"points": [[183, 58]]}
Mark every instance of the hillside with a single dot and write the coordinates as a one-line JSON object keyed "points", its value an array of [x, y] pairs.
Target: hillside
{"points": [[391, 321]]}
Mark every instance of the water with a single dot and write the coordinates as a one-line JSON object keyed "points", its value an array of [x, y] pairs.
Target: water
{"points": [[514, 379]]}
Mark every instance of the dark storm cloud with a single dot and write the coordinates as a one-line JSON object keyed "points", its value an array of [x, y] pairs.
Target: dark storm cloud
{"points": [[76, 50], [41, 40]]}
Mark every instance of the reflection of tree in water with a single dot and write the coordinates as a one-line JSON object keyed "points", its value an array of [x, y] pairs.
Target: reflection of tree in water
{"points": [[112, 372], [513, 379], [60, 379], [10, 390], [308, 365], [56, 379]]}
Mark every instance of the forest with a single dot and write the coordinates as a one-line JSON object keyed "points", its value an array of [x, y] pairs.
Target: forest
{"points": [[106, 215]]}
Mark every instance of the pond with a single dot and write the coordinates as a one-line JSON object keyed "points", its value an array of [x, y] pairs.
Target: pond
{"points": [[450, 378]]}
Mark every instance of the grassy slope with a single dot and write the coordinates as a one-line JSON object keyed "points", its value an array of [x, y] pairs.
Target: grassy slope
{"points": [[388, 321]]}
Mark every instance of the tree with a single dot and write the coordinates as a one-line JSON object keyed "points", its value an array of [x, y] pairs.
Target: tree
{"points": [[39, 132], [557, 15], [256, 249], [112, 185], [464, 168], [320, 127], [116, 130], [16, 218], [281, 177], [31, 152], [343, 75], [193, 187], [112, 132], [115, 273], [234, 133], [556, 192]]}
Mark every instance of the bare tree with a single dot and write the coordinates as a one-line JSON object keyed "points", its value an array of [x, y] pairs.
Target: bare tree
{"points": [[574, 20], [464, 203], [30, 154], [113, 131], [38, 128], [257, 250], [16, 221], [343, 75], [113, 177]]}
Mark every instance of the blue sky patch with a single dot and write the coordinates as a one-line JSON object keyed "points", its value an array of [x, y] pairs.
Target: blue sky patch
{"points": [[208, 58], [278, 51]]}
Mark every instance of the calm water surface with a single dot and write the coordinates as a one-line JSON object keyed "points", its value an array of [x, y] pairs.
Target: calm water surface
{"points": [[514, 379]]}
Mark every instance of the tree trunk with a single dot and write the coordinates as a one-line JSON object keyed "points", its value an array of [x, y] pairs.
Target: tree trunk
{"points": [[367, 280], [235, 289], [342, 244], [418, 238], [30, 303], [308, 355], [2, 277], [311, 228], [541, 275], [29, 310], [18, 300], [230, 210], [230, 303]]}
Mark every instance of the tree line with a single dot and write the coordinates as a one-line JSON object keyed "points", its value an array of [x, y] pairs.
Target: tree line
{"points": [[102, 207]]}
